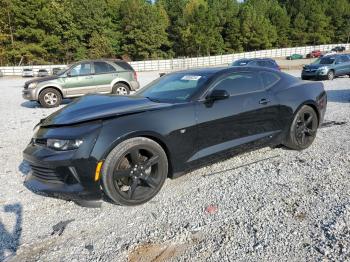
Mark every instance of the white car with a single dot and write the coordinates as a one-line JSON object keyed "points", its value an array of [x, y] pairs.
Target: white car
{"points": [[329, 53], [28, 72]]}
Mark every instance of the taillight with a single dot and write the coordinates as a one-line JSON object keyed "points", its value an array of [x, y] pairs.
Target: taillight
{"points": [[135, 75]]}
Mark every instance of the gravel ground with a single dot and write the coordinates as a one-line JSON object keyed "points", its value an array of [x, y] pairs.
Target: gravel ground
{"points": [[270, 205]]}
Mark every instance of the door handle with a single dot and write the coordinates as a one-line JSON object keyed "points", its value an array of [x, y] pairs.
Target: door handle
{"points": [[264, 101]]}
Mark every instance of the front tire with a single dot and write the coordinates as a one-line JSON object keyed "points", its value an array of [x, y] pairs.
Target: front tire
{"points": [[303, 129], [50, 97], [330, 75], [134, 171], [120, 89]]}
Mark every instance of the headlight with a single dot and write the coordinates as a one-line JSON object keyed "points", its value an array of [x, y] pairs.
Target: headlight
{"points": [[62, 145], [322, 68], [32, 85]]}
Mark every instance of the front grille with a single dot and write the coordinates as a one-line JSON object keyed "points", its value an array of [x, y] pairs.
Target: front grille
{"points": [[47, 174]]}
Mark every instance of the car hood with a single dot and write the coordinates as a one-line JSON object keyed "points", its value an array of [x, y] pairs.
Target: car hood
{"points": [[43, 79], [312, 66], [94, 107]]}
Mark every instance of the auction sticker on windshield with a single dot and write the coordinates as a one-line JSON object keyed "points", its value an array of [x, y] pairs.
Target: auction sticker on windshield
{"points": [[191, 78]]}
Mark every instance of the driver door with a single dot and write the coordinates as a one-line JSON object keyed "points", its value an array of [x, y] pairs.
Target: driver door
{"points": [[79, 80], [250, 114]]}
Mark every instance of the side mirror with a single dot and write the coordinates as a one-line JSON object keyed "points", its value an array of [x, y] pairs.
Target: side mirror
{"points": [[218, 95], [69, 74]]}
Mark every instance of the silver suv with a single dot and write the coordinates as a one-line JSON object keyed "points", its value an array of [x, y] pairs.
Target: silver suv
{"points": [[93, 76]]}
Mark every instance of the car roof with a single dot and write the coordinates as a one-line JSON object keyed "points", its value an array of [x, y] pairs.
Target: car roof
{"points": [[336, 55], [222, 70], [202, 71], [255, 59], [100, 60]]}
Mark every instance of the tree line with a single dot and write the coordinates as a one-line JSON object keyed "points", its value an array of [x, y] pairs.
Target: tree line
{"points": [[62, 31]]}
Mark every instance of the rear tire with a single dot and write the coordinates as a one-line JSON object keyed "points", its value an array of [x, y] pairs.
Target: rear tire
{"points": [[134, 171], [50, 97], [121, 89], [303, 129]]}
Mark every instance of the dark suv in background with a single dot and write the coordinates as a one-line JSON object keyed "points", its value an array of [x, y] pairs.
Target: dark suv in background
{"points": [[92, 76], [262, 62]]}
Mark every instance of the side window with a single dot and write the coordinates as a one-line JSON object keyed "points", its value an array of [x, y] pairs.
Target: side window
{"points": [[81, 70], [260, 63], [103, 68], [345, 58], [270, 64], [339, 60], [269, 79], [123, 66], [240, 83]]}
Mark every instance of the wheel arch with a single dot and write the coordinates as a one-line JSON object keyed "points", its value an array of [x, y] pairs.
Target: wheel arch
{"points": [[121, 81], [311, 104], [150, 135], [53, 87], [333, 70]]}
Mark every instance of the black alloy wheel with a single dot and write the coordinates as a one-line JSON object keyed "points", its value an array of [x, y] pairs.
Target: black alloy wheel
{"points": [[134, 171], [303, 129]]}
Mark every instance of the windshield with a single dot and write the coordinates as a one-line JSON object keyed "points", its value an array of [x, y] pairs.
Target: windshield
{"points": [[176, 87], [324, 61], [240, 63], [61, 71]]}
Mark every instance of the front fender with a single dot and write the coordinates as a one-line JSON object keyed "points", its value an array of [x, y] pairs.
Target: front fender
{"points": [[173, 128], [41, 87]]}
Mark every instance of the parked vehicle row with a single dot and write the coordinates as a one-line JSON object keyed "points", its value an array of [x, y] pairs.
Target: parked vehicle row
{"points": [[90, 76], [29, 72], [327, 67], [318, 53]]}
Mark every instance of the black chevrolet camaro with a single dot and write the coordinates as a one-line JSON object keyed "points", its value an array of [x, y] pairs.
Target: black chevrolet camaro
{"points": [[124, 147]]}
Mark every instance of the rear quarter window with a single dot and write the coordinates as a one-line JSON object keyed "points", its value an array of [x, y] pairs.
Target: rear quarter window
{"points": [[123, 66], [269, 79]]}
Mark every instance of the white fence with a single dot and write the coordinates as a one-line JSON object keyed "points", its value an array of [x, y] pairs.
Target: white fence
{"points": [[17, 70], [184, 63]]}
